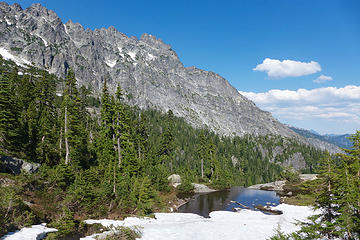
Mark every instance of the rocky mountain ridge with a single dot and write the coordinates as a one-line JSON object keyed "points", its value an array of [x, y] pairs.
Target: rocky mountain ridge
{"points": [[148, 70]]}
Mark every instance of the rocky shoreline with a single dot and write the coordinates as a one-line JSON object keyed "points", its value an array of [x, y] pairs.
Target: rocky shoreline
{"points": [[175, 181], [278, 186], [287, 191], [198, 189], [201, 188]]}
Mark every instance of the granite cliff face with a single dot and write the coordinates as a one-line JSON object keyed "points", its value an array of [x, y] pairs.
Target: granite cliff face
{"points": [[148, 70]]}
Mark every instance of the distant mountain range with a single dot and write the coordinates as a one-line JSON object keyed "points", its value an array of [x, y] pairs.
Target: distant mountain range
{"points": [[341, 141]]}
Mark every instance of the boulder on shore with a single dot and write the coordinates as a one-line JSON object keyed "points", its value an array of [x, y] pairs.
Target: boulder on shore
{"points": [[272, 186], [201, 188], [174, 180], [278, 186], [308, 177], [16, 166]]}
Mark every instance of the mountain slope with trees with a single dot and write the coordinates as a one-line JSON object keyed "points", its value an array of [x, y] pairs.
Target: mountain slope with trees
{"points": [[102, 157], [148, 70]]}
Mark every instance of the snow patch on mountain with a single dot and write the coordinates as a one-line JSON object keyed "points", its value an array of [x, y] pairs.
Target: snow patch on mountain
{"points": [[111, 63], [9, 56], [132, 55], [150, 57]]}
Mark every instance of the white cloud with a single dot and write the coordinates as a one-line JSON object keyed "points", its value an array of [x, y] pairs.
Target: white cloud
{"points": [[301, 96], [287, 68], [322, 79], [331, 109]]}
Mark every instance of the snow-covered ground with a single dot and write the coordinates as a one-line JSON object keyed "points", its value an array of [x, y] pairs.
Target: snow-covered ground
{"points": [[34, 232], [223, 225], [245, 224]]}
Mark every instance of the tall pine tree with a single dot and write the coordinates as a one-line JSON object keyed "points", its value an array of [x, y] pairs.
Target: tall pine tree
{"points": [[9, 115], [73, 124]]}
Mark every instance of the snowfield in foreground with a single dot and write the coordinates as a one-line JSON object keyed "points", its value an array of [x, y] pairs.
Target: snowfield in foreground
{"points": [[34, 232], [223, 225], [245, 224]]}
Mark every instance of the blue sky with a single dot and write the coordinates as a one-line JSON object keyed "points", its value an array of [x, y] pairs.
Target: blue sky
{"points": [[232, 38]]}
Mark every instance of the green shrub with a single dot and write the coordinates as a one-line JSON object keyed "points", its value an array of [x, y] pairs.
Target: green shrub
{"points": [[279, 235], [142, 195], [290, 175], [123, 233], [15, 214], [186, 186], [66, 224]]}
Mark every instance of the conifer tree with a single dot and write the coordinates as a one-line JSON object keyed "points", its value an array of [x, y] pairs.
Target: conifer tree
{"points": [[323, 224], [46, 150], [66, 224], [339, 198], [121, 123], [105, 146], [166, 146], [106, 111], [212, 158], [8, 116], [75, 134], [130, 161], [202, 152], [141, 138], [327, 197], [349, 191], [145, 195], [159, 174]]}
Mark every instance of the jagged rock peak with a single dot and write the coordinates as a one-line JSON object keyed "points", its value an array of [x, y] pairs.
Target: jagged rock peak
{"points": [[70, 25], [154, 42], [37, 10], [17, 7], [6, 6]]}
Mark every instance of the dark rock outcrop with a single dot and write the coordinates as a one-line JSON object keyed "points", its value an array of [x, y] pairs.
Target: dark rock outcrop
{"points": [[16, 166]]}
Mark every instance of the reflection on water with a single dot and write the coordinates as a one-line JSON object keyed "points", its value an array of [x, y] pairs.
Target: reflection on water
{"points": [[203, 204]]}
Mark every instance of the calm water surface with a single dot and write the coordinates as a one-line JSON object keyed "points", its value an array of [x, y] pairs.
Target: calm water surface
{"points": [[203, 204]]}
